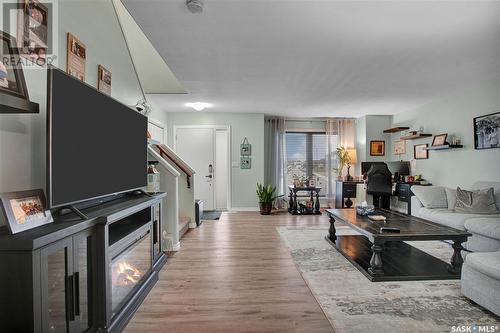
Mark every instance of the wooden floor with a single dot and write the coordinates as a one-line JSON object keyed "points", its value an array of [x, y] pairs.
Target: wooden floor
{"points": [[233, 275]]}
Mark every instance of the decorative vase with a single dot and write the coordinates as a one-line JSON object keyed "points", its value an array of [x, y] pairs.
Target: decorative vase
{"points": [[265, 208]]}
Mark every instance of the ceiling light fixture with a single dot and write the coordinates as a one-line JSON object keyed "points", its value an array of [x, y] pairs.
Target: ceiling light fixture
{"points": [[199, 106], [194, 6]]}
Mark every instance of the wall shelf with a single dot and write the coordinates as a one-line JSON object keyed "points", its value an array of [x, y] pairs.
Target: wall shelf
{"points": [[444, 147], [396, 129], [416, 136]]}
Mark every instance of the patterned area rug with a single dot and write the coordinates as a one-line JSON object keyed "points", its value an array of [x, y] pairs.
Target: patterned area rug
{"points": [[354, 304]]}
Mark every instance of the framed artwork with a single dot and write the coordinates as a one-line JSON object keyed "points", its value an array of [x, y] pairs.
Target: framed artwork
{"points": [[420, 152], [25, 210], [77, 55], [246, 163], [377, 148], [487, 131], [11, 73], [245, 148], [399, 147], [32, 30], [439, 139], [104, 80]]}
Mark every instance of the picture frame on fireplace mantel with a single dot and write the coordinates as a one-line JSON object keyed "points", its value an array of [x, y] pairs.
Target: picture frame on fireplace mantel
{"points": [[25, 210], [14, 96]]}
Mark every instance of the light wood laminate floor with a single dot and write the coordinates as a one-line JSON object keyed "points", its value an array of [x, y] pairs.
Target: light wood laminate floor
{"points": [[233, 275]]}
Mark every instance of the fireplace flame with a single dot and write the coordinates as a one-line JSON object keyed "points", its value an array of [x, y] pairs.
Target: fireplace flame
{"points": [[127, 274]]}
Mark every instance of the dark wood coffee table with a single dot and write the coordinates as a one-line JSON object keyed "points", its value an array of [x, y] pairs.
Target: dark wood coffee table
{"points": [[382, 256]]}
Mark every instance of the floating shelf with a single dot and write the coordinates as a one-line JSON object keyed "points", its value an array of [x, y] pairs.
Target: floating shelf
{"points": [[396, 129], [444, 147], [416, 136]]}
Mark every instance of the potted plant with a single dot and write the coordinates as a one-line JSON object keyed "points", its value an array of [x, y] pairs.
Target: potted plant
{"points": [[343, 159], [265, 194]]}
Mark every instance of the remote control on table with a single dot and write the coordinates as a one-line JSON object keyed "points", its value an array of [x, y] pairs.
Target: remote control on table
{"points": [[390, 229]]}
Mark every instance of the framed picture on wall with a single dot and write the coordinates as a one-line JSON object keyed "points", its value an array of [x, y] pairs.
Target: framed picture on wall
{"points": [[399, 147], [377, 148], [25, 210], [11, 74], [104, 80], [77, 55], [420, 152], [487, 131]]}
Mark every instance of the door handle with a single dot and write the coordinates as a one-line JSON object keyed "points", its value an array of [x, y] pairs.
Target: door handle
{"points": [[76, 281], [70, 299], [209, 176]]}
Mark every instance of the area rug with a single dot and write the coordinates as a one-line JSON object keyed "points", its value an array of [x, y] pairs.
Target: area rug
{"points": [[354, 304], [211, 215]]}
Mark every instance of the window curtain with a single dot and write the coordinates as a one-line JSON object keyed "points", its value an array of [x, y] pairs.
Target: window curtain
{"points": [[274, 151], [340, 133]]}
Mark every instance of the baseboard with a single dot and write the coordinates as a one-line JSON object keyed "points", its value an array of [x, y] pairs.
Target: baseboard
{"points": [[192, 225], [244, 209]]}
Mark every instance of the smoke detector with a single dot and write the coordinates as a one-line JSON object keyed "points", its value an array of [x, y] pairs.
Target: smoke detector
{"points": [[194, 6]]}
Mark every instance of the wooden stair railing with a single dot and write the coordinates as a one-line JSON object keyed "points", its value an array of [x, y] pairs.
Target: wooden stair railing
{"points": [[166, 152]]}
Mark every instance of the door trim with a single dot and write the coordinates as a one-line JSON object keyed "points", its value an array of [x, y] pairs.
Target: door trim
{"points": [[229, 164]]}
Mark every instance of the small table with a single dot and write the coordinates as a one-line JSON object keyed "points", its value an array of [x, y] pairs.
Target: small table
{"points": [[294, 206], [383, 256]]}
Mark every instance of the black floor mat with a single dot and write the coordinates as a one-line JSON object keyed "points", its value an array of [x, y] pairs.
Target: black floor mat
{"points": [[211, 215]]}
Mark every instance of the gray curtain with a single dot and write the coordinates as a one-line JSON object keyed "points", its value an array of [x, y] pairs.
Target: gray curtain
{"points": [[274, 152]]}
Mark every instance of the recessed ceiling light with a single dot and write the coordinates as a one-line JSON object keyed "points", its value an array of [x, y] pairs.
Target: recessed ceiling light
{"points": [[199, 106]]}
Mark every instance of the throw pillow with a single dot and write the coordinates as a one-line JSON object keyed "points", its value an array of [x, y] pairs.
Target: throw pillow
{"points": [[451, 197], [431, 196], [476, 202]]}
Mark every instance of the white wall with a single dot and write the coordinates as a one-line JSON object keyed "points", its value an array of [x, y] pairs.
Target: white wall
{"points": [[454, 115], [22, 137], [248, 125], [371, 128]]}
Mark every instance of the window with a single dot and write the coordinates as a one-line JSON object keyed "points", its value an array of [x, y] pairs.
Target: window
{"points": [[306, 156]]}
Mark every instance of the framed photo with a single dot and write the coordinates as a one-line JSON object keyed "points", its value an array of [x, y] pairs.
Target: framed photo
{"points": [[246, 163], [77, 55], [439, 139], [32, 30], [245, 148], [377, 148], [399, 147], [11, 73], [420, 152], [487, 131], [104, 80], [25, 210]]}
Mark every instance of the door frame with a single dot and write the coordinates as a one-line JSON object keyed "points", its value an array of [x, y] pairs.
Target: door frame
{"points": [[229, 159]]}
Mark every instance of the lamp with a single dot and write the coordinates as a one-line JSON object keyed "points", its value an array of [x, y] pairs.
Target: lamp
{"points": [[351, 153]]}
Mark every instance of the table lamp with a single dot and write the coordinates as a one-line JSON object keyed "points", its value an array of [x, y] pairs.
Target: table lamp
{"points": [[352, 160]]}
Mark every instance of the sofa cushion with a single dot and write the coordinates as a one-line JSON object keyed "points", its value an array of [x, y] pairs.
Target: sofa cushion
{"points": [[487, 263], [431, 196], [446, 217], [496, 188], [476, 202], [451, 197], [485, 226]]}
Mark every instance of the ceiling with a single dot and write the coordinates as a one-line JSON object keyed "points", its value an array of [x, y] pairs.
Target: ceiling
{"points": [[310, 58]]}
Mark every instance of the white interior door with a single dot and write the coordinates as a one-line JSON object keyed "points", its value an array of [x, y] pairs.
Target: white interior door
{"points": [[196, 147]]}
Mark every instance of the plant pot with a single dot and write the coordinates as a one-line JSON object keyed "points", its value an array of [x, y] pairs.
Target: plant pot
{"points": [[265, 208]]}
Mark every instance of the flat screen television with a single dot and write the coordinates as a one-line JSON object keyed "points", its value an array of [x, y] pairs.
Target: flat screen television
{"points": [[96, 146]]}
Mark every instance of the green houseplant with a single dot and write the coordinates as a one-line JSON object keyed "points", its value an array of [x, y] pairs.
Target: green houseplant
{"points": [[265, 194], [343, 158]]}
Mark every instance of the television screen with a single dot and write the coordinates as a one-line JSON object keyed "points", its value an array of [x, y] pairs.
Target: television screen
{"points": [[96, 146]]}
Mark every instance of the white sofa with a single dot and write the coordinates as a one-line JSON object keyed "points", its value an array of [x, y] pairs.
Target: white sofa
{"points": [[485, 229], [481, 269]]}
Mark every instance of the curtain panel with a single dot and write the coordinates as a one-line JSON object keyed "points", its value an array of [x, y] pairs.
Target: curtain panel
{"points": [[340, 133], [274, 152]]}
